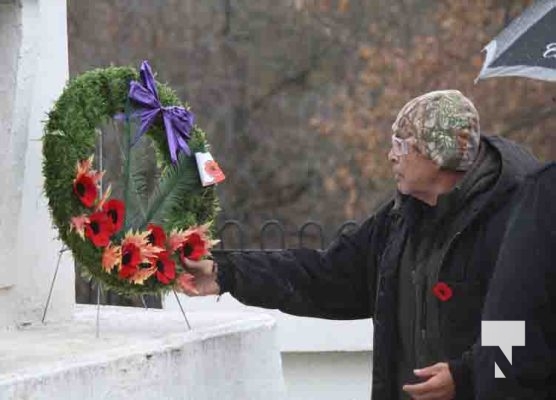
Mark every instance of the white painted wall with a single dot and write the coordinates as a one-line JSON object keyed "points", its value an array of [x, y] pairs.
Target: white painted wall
{"points": [[328, 375], [321, 359], [10, 41], [37, 36]]}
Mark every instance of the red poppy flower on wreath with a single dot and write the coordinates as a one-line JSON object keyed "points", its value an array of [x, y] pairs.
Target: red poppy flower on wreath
{"points": [[86, 190], [156, 237], [137, 250], [193, 243], [165, 268], [131, 257], [213, 170], [115, 210], [194, 247], [85, 182], [99, 229], [442, 291]]}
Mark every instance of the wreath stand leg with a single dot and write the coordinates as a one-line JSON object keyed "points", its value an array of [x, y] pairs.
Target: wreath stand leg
{"points": [[62, 251], [100, 161], [97, 325], [181, 308], [144, 302]]}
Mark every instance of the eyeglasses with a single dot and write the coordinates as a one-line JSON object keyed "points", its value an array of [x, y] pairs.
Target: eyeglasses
{"points": [[400, 147]]}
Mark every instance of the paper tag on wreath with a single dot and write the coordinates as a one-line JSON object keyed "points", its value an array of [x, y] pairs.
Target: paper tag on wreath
{"points": [[209, 170]]}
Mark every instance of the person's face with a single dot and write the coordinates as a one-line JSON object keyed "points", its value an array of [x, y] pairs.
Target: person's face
{"points": [[414, 173]]}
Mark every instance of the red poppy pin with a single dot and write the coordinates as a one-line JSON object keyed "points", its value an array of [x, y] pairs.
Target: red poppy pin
{"points": [[442, 291]]}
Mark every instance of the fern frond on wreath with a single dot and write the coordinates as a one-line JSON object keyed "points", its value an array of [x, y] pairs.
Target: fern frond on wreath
{"points": [[177, 182]]}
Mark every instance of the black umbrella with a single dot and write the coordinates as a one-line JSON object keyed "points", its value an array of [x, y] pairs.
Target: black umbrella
{"points": [[527, 47]]}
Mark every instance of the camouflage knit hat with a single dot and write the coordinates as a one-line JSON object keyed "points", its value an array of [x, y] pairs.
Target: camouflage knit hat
{"points": [[445, 125]]}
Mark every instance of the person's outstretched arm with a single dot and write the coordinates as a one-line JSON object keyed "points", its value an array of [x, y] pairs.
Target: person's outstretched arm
{"points": [[338, 283]]}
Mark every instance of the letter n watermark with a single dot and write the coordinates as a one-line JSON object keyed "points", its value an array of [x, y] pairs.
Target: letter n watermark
{"points": [[503, 334]]}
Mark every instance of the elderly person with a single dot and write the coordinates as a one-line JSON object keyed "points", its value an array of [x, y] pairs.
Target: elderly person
{"points": [[419, 267]]}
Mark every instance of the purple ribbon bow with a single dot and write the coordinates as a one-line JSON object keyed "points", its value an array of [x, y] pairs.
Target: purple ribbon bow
{"points": [[178, 121]]}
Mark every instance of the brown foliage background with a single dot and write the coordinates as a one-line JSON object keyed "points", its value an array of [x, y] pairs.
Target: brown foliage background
{"points": [[297, 96]]}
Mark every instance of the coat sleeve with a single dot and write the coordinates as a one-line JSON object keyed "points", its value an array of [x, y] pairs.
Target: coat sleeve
{"points": [[338, 283], [462, 374]]}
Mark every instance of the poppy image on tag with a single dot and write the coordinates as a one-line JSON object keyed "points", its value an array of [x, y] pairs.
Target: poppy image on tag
{"points": [[209, 170]]}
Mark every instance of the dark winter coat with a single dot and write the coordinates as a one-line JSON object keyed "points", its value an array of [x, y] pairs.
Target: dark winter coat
{"points": [[357, 277], [523, 288]]}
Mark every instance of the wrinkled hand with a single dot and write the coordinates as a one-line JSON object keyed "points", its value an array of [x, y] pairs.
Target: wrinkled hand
{"points": [[438, 386], [204, 278]]}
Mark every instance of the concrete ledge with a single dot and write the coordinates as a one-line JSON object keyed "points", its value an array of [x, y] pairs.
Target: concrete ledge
{"points": [[143, 354], [295, 334]]}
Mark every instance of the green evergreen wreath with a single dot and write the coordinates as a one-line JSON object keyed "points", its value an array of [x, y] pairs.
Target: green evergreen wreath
{"points": [[178, 203]]}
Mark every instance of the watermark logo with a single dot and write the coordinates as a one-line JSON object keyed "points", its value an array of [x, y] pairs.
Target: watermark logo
{"points": [[503, 334], [550, 51]]}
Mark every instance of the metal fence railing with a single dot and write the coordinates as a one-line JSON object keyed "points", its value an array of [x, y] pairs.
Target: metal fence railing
{"points": [[309, 234]]}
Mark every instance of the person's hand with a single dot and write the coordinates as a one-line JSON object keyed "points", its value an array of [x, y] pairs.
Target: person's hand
{"points": [[438, 386], [204, 278]]}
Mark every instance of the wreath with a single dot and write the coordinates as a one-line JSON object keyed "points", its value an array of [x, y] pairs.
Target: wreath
{"points": [[126, 225]]}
